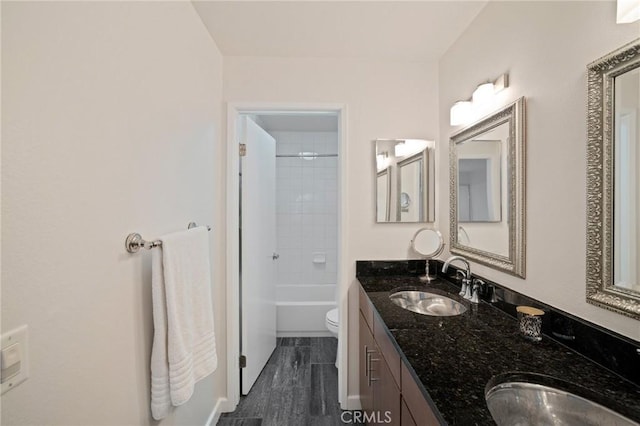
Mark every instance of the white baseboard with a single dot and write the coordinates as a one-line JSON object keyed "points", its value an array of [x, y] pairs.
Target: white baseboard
{"points": [[223, 405], [353, 403]]}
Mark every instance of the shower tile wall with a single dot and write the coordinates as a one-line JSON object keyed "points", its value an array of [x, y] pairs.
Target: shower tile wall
{"points": [[307, 207]]}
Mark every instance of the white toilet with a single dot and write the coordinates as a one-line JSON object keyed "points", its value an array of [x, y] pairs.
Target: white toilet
{"points": [[332, 322], [332, 326]]}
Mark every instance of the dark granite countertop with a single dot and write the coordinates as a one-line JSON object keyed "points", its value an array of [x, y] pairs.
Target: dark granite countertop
{"points": [[454, 357]]}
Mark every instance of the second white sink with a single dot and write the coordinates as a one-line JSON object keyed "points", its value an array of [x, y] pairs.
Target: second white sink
{"points": [[517, 402]]}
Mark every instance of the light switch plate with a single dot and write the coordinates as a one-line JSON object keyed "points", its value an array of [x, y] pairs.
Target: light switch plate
{"points": [[17, 335]]}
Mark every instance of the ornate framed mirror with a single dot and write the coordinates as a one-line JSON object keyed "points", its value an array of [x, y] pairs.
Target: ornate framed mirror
{"points": [[613, 181], [487, 190]]}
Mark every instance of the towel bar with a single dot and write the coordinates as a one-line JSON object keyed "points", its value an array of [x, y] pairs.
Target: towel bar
{"points": [[134, 241]]}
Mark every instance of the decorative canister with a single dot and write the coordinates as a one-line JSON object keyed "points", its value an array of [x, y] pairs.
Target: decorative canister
{"points": [[530, 322]]}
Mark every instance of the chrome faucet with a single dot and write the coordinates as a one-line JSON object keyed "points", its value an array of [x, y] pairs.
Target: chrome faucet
{"points": [[466, 281], [477, 287]]}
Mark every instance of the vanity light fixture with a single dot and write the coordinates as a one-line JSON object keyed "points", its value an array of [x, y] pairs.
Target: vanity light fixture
{"points": [[400, 150], [628, 11], [411, 146], [483, 93], [462, 111], [382, 161]]}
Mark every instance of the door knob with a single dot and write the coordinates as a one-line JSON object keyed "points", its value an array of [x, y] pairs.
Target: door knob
{"points": [[275, 256]]}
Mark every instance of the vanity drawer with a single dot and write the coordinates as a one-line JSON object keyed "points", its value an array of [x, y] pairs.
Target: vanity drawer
{"points": [[415, 402], [387, 348], [406, 419], [365, 307]]}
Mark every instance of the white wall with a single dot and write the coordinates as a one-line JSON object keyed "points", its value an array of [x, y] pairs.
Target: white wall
{"points": [[545, 47], [384, 99], [307, 209], [112, 113]]}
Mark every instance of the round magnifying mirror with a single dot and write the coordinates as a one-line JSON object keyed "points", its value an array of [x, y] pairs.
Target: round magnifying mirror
{"points": [[429, 243], [405, 200]]}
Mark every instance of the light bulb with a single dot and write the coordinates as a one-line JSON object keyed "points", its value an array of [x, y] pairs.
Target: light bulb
{"points": [[628, 11], [400, 150], [460, 113], [483, 93]]}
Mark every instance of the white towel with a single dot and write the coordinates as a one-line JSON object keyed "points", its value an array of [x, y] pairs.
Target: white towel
{"points": [[184, 349]]}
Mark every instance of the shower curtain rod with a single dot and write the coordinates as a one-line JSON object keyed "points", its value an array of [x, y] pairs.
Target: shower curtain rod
{"points": [[305, 154]]}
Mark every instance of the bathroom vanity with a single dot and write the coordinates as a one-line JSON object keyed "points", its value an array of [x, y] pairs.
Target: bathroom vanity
{"points": [[430, 370], [387, 387]]}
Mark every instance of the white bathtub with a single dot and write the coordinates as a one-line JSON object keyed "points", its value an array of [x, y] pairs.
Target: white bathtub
{"points": [[301, 309]]}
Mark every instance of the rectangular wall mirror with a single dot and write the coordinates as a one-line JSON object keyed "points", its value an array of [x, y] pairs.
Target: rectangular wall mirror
{"points": [[487, 222], [383, 203], [613, 181], [481, 181], [405, 173]]}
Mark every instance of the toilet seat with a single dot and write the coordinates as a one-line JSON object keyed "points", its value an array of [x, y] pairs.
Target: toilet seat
{"points": [[332, 317], [332, 321]]}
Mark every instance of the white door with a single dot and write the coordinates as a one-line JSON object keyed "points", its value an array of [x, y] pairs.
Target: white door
{"points": [[258, 246]]}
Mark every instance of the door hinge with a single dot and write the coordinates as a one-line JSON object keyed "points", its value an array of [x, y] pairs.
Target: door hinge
{"points": [[243, 150], [243, 361]]}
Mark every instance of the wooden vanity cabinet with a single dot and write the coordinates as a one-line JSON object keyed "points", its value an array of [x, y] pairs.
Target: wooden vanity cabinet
{"points": [[406, 419], [379, 369], [379, 392], [367, 345], [388, 393], [418, 407]]}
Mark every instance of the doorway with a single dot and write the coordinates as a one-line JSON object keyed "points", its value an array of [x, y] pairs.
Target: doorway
{"points": [[307, 257]]}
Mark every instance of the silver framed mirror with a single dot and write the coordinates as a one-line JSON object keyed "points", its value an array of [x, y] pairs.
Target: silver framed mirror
{"points": [[487, 190], [407, 191], [613, 181]]}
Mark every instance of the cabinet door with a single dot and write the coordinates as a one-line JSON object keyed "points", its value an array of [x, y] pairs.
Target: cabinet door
{"points": [[367, 348], [406, 419], [386, 394], [415, 401]]}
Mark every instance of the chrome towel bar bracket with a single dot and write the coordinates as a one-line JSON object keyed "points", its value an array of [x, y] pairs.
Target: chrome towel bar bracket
{"points": [[135, 242]]}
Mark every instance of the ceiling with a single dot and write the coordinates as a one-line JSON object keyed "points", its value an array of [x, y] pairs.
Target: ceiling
{"points": [[298, 122], [409, 30]]}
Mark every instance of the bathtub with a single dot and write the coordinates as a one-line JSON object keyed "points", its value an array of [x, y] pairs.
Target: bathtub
{"points": [[301, 309]]}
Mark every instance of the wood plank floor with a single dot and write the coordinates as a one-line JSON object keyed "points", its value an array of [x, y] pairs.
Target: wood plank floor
{"points": [[298, 387]]}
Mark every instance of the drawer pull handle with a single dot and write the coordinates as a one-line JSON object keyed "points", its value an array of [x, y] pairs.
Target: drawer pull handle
{"points": [[366, 361], [369, 370]]}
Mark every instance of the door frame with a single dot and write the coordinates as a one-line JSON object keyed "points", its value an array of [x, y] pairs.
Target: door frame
{"points": [[234, 110]]}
